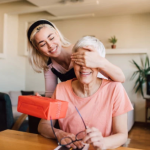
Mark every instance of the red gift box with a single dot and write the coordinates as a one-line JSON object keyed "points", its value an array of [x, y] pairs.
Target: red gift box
{"points": [[42, 107]]}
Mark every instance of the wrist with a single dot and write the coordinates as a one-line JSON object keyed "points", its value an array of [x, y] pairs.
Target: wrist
{"points": [[57, 131], [102, 63]]}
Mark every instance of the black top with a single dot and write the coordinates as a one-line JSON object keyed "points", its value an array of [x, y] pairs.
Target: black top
{"points": [[63, 77]]}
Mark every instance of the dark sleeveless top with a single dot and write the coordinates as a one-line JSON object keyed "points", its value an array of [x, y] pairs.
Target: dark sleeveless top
{"points": [[63, 77]]}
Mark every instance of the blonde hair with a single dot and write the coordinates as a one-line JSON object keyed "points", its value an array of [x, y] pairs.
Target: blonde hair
{"points": [[90, 41], [37, 60]]}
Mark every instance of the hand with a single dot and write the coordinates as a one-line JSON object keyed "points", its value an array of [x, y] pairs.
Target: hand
{"points": [[61, 134], [37, 94], [89, 58], [94, 137]]}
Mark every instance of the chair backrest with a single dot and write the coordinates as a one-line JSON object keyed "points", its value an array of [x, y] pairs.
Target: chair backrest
{"points": [[6, 116]]}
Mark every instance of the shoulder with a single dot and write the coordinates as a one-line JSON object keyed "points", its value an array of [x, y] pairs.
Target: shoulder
{"points": [[114, 88], [64, 85], [112, 84], [63, 90]]}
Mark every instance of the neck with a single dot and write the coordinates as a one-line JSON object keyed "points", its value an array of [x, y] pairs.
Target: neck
{"points": [[86, 90]]}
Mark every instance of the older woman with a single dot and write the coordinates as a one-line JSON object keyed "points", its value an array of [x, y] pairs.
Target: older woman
{"points": [[51, 52], [103, 104]]}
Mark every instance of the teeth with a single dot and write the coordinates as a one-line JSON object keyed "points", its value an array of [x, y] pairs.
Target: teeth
{"points": [[85, 73], [53, 50]]}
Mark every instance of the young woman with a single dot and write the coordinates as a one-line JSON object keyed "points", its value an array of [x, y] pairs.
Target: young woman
{"points": [[51, 52], [103, 105]]}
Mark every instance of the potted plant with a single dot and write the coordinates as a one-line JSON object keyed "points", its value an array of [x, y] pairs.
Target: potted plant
{"points": [[113, 40], [142, 73]]}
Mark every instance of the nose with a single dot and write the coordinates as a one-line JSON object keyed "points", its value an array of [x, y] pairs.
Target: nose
{"points": [[49, 44]]}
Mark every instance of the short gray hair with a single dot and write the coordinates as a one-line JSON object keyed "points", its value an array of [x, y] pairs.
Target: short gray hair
{"points": [[90, 41]]}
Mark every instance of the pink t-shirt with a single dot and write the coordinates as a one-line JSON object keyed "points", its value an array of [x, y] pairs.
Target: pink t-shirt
{"points": [[109, 101]]}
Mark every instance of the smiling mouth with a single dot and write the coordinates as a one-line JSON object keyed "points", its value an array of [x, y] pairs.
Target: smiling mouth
{"points": [[85, 73], [52, 51]]}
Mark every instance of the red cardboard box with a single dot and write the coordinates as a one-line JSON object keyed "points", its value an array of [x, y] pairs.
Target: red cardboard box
{"points": [[42, 107]]}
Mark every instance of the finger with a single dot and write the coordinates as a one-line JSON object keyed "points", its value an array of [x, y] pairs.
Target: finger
{"points": [[78, 144], [81, 56], [80, 63], [96, 144], [70, 145], [37, 94], [86, 139], [78, 60], [90, 48], [91, 130], [91, 135], [77, 53], [95, 139], [99, 145], [73, 146]]}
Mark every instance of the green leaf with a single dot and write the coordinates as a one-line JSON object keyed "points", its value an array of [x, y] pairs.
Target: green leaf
{"points": [[141, 82], [142, 91], [137, 82], [142, 63], [147, 71], [133, 75], [138, 67], [138, 88], [147, 61], [113, 40]]}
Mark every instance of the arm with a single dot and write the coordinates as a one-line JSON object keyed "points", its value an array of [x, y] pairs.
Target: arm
{"points": [[119, 137], [45, 129], [92, 59], [120, 132], [112, 71], [50, 82]]}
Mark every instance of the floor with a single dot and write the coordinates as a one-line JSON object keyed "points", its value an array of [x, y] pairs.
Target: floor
{"points": [[139, 137]]}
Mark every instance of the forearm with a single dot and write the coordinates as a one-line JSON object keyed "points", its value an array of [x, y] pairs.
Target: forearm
{"points": [[46, 130], [115, 140], [112, 71]]}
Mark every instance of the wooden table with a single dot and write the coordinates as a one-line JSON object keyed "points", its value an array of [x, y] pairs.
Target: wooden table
{"points": [[16, 140]]}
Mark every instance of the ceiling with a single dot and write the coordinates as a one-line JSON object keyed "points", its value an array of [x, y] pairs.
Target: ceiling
{"points": [[86, 7]]}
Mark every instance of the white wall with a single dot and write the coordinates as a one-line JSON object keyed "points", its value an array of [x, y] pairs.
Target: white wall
{"points": [[12, 68]]}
